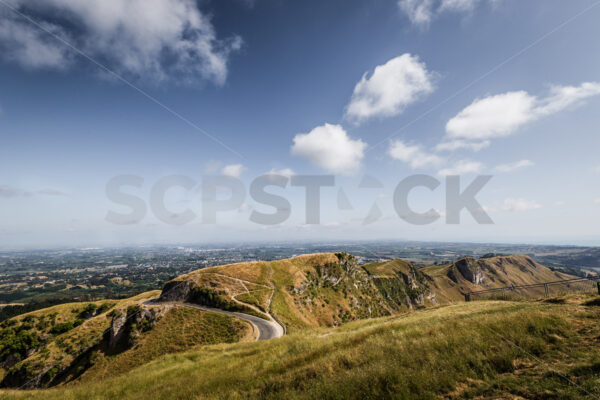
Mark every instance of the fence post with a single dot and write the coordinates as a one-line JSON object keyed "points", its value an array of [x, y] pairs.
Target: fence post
{"points": [[503, 294], [546, 289], [467, 296], [598, 283]]}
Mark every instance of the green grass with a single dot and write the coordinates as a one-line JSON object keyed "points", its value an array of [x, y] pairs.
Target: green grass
{"points": [[479, 349]]}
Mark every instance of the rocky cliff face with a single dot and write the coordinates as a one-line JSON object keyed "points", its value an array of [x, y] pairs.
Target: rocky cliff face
{"points": [[128, 324], [177, 291], [469, 269], [407, 287], [498, 271], [117, 328], [337, 292]]}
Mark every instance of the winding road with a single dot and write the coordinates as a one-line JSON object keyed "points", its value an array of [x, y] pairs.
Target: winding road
{"points": [[266, 329]]}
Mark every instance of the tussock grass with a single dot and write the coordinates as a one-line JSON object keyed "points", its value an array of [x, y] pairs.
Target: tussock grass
{"points": [[485, 349]]}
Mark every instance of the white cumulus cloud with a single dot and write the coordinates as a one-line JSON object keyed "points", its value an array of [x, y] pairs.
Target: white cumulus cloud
{"points": [[413, 155], [390, 88], [154, 40], [233, 170], [329, 147], [493, 116], [520, 204], [501, 115], [514, 166], [462, 167]]}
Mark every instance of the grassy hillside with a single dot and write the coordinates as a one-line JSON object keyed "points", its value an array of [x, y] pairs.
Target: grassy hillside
{"points": [[85, 342], [58, 344], [306, 291], [179, 330], [469, 350], [37, 346], [469, 274], [329, 289]]}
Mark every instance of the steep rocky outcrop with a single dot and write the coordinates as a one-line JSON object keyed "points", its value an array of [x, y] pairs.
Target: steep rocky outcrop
{"points": [[177, 290], [402, 284], [117, 328], [128, 324], [469, 269]]}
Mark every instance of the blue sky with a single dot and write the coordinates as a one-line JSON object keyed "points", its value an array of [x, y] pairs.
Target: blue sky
{"points": [[350, 88]]}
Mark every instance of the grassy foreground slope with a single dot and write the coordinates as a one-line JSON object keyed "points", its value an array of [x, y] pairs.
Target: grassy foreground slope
{"points": [[471, 350]]}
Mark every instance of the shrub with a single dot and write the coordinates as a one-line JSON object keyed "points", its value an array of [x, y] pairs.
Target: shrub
{"points": [[62, 328], [88, 311]]}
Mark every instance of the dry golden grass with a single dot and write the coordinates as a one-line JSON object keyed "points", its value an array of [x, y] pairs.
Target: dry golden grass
{"points": [[314, 259], [388, 268], [265, 285], [501, 271], [181, 329]]}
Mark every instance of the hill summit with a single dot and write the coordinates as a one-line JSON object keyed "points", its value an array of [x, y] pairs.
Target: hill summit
{"points": [[309, 290]]}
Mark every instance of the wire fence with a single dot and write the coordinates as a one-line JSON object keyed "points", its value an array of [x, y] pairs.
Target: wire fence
{"points": [[538, 290]]}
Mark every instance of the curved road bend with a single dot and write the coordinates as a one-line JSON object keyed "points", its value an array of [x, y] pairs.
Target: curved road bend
{"points": [[266, 329]]}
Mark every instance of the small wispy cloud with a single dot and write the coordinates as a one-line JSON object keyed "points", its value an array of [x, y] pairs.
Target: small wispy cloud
{"points": [[7, 192], [452, 145], [51, 192], [510, 167], [422, 12], [462, 167], [520, 204], [233, 170], [413, 155], [287, 172]]}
